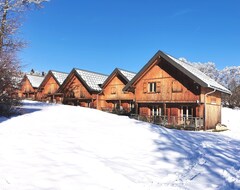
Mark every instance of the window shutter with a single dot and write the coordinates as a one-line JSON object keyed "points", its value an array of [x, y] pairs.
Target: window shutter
{"points": [[158, 88], [144, 87], [176, 86]]}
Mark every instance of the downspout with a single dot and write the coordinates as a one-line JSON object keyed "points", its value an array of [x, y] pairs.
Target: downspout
{"points": [[205, 110]]}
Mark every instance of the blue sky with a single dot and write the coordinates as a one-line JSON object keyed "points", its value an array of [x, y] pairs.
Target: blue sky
{"points": [[102, 35]]}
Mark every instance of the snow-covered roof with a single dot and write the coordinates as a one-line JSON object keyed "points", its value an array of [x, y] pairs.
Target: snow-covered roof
{"points": [[35, 80], [187, 69], [190, 70], [92, 79], [128, 74], [60, 76]]}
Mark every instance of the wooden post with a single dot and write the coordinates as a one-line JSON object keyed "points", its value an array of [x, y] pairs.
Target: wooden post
{"points": [[164, 109], [136, 108]]}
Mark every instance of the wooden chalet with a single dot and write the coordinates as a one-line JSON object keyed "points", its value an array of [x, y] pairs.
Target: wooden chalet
{"points": [[174, 93], [49, 86], [29, 86], [112, 98], [82, 87]]}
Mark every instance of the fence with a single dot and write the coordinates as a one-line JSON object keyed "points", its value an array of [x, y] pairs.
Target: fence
{"points": [[187, 123]]}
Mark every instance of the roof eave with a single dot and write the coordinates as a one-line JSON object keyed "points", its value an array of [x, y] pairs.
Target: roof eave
{"points": [[185, 71], [109, 77], [141, 71], [192, 76], [55, 78], [221, 90], [64, 83]]}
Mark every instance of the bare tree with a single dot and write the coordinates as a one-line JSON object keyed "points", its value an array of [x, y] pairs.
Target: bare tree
{"points": [[11, 12], [233, 100]]}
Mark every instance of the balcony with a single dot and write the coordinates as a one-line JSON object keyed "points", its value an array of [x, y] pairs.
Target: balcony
{"points": [[190, 123]]}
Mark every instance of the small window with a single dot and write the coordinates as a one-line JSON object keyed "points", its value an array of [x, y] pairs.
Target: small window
{"points": [[187, 111], [156, 111], [152, 87]]}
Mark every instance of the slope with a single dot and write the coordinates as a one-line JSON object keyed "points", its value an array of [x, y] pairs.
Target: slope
{"points": [[57, 147]]}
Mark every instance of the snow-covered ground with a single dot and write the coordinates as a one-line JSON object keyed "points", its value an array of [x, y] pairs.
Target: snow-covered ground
{"points": [[231, 117], [57, 147]]}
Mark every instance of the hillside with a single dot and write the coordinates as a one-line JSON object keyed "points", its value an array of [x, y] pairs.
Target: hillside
{"points": [[57, 147]]}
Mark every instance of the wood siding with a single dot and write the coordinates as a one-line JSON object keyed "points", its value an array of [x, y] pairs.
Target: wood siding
{"points": [[112, 94], [164, 90], [76, 93], [213, 107], [27, 90], [75, 89], [50, 87], [171, 86]]}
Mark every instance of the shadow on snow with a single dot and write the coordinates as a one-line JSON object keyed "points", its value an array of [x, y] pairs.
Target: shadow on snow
{"points": [[212, 157], [26, 108]]}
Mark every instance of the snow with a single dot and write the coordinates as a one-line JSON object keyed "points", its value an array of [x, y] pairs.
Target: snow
{"points": [[128, 74], [58, 147], [227, 76], [200, 75], [35, 80], [60, 76], [231, 118], [92, 79]]}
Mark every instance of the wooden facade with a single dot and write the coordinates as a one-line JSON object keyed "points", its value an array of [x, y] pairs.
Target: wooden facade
{"points": [[29, 87], [79, 91], [163, 88], [49, 86], [112, 98]]}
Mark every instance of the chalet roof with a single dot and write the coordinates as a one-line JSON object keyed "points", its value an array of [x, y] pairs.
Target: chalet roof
{"points": [[127, 75], [35, 80], [187, 69], [92, 79], [59, 76]]}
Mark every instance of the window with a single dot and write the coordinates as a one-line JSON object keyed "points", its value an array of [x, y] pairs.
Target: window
{"points": [[152, 87], [186, 111], [156, 111]]}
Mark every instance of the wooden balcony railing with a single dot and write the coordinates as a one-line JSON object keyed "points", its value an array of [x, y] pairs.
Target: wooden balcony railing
{"points": [[188, 123]]}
